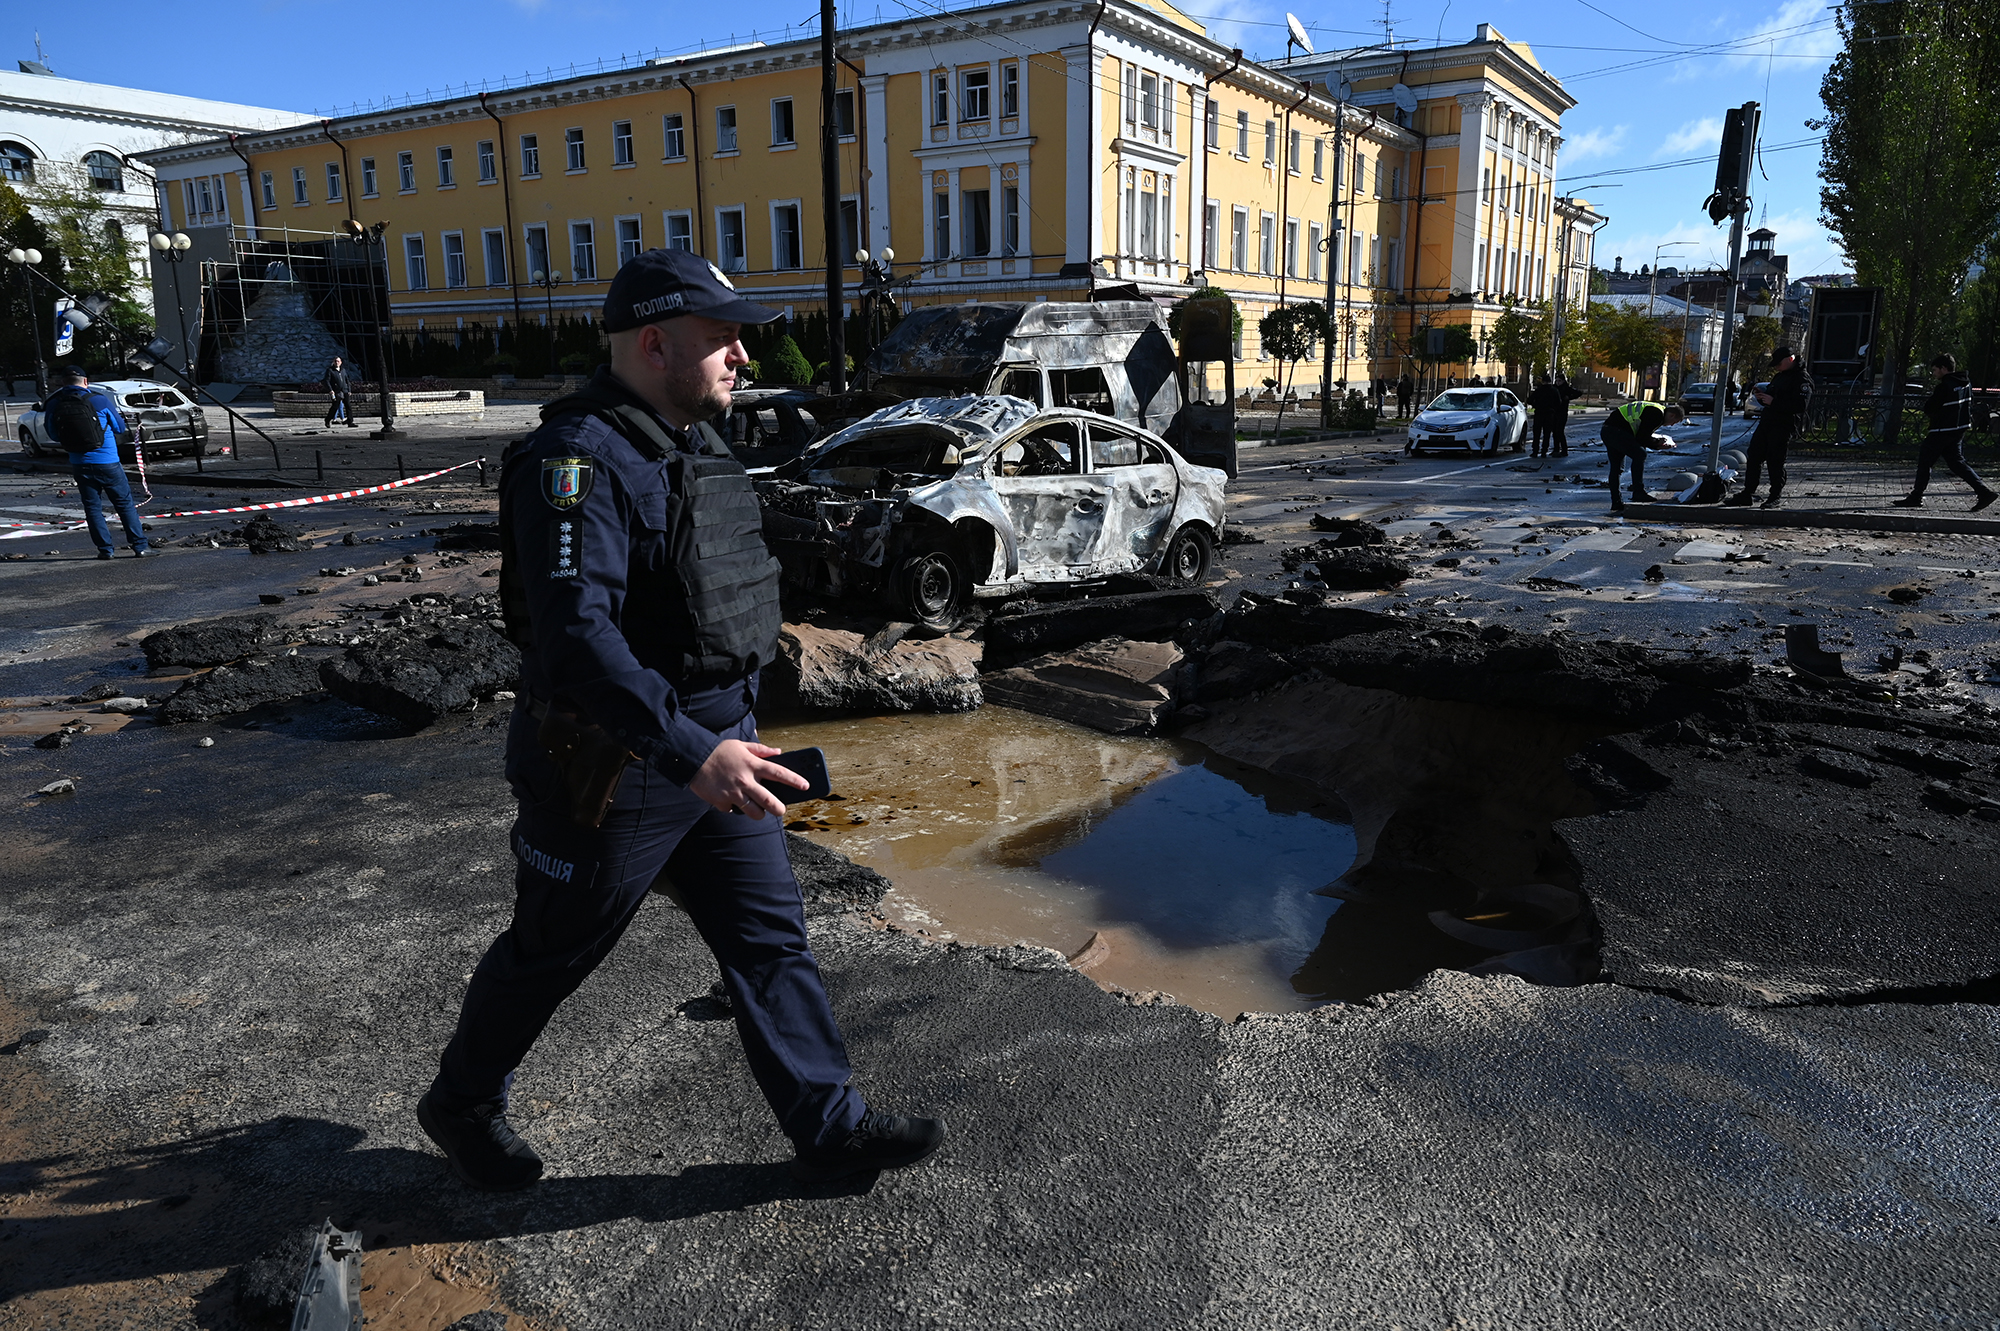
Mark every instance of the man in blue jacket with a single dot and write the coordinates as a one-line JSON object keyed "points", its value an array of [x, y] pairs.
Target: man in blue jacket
{"points": [[87, 424], [635, 576]]}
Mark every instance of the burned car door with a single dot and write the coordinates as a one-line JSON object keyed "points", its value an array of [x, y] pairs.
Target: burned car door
{"points": [[1056, 510], [1142, 487]]}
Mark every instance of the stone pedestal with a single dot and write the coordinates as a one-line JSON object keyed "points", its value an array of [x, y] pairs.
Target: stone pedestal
{"points": [[281, 342]]}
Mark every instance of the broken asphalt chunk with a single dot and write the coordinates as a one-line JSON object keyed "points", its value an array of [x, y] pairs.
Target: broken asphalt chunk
{"points": [[419, 679], [1050, 626], [1803, 652], [61, 786], [1907, 595], [1833, 766], [209, 642]]}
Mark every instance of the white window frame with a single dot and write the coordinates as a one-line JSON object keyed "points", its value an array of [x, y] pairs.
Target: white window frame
{"points": [[489, 162], [1010, 219], [447, 167], [1315, 233], [637, 241], [1291, 247], [686, 218], [1211, 120], [941, 220], [1211, 256], [333, 182], [673, 137], [1319, 158], [486, 239], [940, 98], [575, 160], [1147, 242], [1239, 239], [779, 259], [1270, 143], [583, 254], [791, 131], [416, 265], [975, 109], [623, 152], [1294, 154], [370, 186], [1010, 90], [1149, 99], [300, 194], [741, 263], [1267, 244], [965, 216], [445, 245], [267, 184], [726, 132], [535, 235], [1243, 135], [1131, 98], [851, 97], [531, 156], [406, 172]]}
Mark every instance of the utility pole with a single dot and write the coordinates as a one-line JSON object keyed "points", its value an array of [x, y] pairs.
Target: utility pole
{"points": [[1332, 244], [829, 184], [1732, 200]]}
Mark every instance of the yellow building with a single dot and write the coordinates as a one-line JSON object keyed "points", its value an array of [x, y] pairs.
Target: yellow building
{"points": [[1003, 153]]}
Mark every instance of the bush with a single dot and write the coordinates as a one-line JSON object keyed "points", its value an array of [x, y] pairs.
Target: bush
{"points": [[576, 363], [786, 364], [504, 362], [1357, 412], [752, 371]]}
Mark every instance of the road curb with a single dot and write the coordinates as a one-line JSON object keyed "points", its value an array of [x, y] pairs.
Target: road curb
{"points": [[1714, 515]]}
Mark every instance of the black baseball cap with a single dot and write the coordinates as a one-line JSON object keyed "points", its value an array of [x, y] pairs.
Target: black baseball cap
{"points": [[1779, 354], [663, 284]]}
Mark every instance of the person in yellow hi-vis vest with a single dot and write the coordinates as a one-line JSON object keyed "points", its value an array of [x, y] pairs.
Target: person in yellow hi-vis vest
{"points": [[1628, 432]]}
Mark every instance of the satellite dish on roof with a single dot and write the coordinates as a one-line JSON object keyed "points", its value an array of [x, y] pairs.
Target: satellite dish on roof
{"points": [[1406, 101], [1341, 88], [1298, 32]]}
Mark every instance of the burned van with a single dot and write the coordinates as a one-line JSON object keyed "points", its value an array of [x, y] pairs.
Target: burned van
{"points": [[1108, 357]]}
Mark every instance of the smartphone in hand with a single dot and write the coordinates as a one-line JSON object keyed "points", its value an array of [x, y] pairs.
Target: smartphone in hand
{"points": [[808, 763]]}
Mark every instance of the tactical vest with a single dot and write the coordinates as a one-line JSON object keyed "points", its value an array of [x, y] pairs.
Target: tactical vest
{"points": [[1632, 411], [725, 622]]}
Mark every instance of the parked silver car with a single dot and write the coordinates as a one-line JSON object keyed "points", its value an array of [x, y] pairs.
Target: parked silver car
{"points": [[164, 422], [934, 501]]}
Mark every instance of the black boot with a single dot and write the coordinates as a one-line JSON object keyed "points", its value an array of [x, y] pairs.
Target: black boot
{"points": [[1909, 501], [880, 1141], [481, 1145], [1985, 497], [1742, 499]]}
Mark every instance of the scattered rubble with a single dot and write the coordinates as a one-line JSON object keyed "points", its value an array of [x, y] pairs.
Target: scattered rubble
{"points": [[229, 689], [210, 642], [1349, 531], [847, 664], [1046, 626], [1116, 685], [264, 536], [62, 786], [1841, 767], [419, 678]]}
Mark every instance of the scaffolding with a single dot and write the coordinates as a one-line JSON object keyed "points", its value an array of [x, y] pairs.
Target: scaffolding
{"points": [[345, 286]]}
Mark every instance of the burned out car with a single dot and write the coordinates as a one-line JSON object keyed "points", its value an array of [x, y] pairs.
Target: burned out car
{"points": [[767, 426], [935, 501]]}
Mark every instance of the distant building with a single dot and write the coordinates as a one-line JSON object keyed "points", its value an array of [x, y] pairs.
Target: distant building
{"points": [[53, 127], [1701, 336]]}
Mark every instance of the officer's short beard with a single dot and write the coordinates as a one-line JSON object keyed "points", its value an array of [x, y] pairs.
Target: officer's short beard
{"points": [[690, 393]]}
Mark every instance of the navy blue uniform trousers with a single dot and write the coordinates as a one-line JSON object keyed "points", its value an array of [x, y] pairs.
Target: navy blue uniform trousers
{"points": [[577, 888]]}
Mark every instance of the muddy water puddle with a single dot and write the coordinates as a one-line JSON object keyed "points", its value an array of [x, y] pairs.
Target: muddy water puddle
{"points": [[1196, 874]]}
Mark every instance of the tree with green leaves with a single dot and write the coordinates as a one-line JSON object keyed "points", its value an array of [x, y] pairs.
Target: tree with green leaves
{"points": [[1290, 334], [1519, 337], [1445, 344], [1750, 350], [1907, 177], [785, 363], [1629, 338]]}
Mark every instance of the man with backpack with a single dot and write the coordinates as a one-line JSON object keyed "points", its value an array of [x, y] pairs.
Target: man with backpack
{"points": [[87, 424]]}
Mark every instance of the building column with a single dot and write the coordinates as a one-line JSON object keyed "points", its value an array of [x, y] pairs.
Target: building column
{"points": [[1475, 109], [875, 110], [1083, 206]]}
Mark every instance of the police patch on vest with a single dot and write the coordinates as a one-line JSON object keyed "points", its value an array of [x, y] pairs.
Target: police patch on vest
{"points": [[565, 481], [563, 539]]}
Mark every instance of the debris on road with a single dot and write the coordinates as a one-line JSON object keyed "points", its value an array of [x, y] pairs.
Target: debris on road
{"points": [[1117, 685], [63, 786], [848, 664], [420, 677], [252, 682], [1046, 626], [210, 642]]}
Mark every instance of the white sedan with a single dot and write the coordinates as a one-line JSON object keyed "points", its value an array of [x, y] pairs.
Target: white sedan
{"points": [[1473, 420], [166, 422]]}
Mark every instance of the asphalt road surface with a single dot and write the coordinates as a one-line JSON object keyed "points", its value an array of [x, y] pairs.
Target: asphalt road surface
{"points": [[226, 971]]}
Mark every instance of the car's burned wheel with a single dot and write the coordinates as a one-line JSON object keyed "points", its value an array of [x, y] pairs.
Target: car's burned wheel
{"points": [[1188, 557], [931, 587]]}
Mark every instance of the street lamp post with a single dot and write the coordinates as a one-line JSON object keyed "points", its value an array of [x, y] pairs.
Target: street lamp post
{"points": [[174, 249], [548, 282], [365, 236], [22, 261], [877, 280]]}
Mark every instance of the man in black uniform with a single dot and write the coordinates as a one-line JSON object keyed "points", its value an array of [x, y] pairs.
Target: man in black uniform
{"points": [[1950, 409], [335, 383], [1550, 403], [1790, 391], [1627, 433], [635, 575]]}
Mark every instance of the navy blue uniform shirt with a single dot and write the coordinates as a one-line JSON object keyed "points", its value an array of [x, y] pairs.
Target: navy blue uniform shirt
{"points": [[587, 512]]}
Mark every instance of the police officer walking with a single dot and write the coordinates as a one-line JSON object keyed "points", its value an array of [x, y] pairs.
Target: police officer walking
{"points": [[1790, 391], [1627, 433], [1950, 410], [635, 575]]}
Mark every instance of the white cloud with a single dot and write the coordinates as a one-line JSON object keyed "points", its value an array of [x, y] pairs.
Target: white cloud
{"points": [[1593, 143], [1781, 34], [1696, 136]]}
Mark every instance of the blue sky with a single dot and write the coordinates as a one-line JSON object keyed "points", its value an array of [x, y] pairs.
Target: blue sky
{"points": [[1651, 82]]}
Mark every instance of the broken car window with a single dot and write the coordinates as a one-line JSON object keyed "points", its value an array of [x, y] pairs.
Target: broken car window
{"points": [[1024, 384], [1082, 389], [1110, 449], [1048, 450]]}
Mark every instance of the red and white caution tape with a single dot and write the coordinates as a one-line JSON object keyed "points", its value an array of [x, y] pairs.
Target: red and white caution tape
{"points": [[49, 528]]}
